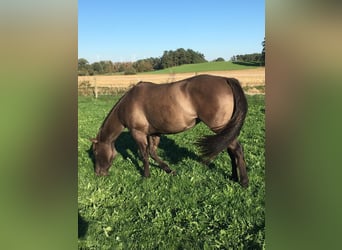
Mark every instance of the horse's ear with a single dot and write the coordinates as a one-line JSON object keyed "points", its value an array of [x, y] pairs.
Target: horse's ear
{"points": [[94, 140]]}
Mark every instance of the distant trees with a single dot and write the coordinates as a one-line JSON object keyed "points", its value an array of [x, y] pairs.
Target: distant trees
{"points": [[83, 67], [262, 59], [169, 58], [179, 57], [255, 57], [251, 59], [220, 59], [148, 64]]}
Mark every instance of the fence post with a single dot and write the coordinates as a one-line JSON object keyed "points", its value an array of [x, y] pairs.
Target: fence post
{"points": [[95, 87]]}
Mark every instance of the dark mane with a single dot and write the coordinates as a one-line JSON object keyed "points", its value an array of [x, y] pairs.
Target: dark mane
{"points": [[111, 111]]}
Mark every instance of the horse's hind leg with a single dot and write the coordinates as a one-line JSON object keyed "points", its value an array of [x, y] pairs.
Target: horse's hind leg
{"points": [[153, 142], [234, 166], [236, 155]]}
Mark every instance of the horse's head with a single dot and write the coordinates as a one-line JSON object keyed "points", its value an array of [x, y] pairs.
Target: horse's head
{"points": [[104, 154]]}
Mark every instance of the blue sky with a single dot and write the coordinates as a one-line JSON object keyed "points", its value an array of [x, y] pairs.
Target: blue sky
{"points": [[128, 30]]}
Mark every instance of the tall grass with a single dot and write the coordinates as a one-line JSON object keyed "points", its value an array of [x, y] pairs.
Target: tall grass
{"points": [[199, 208]]}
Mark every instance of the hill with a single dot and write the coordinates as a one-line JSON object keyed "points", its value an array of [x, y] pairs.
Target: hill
{"points": [[201, 67]]}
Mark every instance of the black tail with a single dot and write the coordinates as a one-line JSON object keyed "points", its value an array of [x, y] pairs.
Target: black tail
{"points": [[212, 145]]}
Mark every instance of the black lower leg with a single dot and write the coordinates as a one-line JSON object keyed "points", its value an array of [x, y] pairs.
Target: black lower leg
{"points": [[234, 166], [236, 154]]}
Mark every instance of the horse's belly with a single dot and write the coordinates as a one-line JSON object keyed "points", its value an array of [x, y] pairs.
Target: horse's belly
{"points": [[171, 119], [167, 126]]}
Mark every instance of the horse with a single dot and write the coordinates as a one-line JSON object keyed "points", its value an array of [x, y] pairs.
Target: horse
{"points": [[149, 110]]}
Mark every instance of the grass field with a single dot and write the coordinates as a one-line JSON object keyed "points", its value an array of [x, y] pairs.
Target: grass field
{"points": [[199, 208], [201, 67]]}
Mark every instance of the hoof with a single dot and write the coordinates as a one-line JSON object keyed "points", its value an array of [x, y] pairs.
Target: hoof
{"points": [[169, 171], [102, 173], [234, 178], [244, 184]]}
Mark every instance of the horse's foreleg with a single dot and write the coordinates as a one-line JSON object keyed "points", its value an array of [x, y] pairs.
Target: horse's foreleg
{"points": [[153, 142], [236, 155], [141, 140]]}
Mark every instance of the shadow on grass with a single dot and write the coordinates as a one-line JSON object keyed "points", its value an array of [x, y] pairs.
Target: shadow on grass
{"points": [[91, 155], [82, 226], [173, 153]]}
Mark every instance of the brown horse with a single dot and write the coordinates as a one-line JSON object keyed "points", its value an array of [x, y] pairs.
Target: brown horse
{"points": [[149, 110]]}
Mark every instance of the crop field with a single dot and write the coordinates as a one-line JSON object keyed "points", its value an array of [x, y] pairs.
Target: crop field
{"points": [[198, 208], [248, 76]]}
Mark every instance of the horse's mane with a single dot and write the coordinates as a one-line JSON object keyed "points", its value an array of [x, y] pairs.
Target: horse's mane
{"points": [[113, 108]]}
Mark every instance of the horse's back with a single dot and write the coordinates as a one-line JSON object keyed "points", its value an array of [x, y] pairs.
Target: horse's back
{"points": [[208, 85], [157, 108], [175, 107]]}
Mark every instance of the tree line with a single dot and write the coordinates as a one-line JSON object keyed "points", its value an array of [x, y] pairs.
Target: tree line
{"points": [[255, 57], [249, 59], [169, 58]]}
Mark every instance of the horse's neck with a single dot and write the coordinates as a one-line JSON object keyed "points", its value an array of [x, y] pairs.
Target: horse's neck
{"points": [[111, 128]]}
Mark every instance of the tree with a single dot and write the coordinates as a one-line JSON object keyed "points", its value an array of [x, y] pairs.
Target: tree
{"points": [[83, 67], [97, 67], [82, 63], [167, 60], [107, 66], [143, 65], [179, 57], [262, 59], [220, 59]]}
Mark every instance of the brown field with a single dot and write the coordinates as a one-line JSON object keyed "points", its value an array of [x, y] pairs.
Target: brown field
{"points": [[249, 79]]}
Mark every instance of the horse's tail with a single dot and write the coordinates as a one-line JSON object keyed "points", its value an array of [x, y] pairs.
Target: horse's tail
{"points": [[212, 145]]}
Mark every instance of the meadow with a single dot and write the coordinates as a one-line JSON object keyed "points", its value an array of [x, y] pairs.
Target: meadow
{"points": [[200, 67], [199, 208]]}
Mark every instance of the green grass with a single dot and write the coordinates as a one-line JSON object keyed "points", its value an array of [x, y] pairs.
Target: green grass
{"points": [[199, 208], [200, 67]]}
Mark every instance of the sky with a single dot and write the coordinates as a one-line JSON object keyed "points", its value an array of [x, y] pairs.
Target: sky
{"points": [[129, 30]]}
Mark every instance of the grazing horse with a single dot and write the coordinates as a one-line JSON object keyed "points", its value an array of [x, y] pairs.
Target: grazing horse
{"points": [[149, 110]]}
